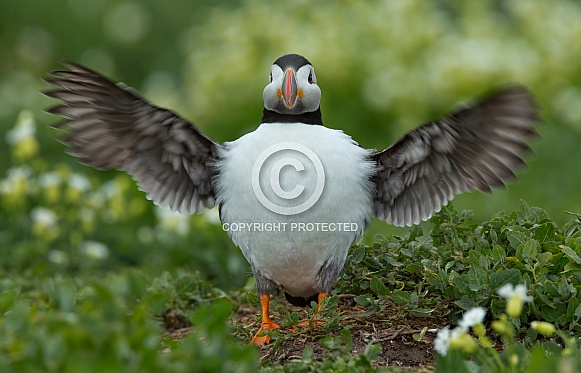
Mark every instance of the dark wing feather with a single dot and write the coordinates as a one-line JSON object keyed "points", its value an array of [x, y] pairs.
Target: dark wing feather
{"points": [[108, 126], [478, 147]]}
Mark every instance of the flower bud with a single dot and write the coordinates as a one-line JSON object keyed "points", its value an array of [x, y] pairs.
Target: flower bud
{"points": [[545, 328], [479, 329], [500, 327], [514, 360], [514, 306], [463, 342]]}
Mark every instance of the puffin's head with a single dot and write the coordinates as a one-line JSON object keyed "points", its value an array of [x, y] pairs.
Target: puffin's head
{"points": [[293, 86]]}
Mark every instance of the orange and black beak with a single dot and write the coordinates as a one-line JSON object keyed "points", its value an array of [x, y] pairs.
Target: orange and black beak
{"points": [[289, 88]]}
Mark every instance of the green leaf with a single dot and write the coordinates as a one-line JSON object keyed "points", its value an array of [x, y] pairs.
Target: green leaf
{"points": [[501, 278], [551, 289], [418, 336], [572, 267], [347, 339], [516, 238], [530, 249], [526, 211], [544, 258], [358, 254], [477, 278], [372, 351], [577, 311], [498, 253], [441, 281], [414, 267], [307, 353], [377, 286], [572, 308], [551, 314], [475, 258], [466, 303], [539, 362], [461, 283], [363, 300], [545, 299], [7, 300], [571, 254], [252, 299], [420, 312], [401, 297], [544, 231]]}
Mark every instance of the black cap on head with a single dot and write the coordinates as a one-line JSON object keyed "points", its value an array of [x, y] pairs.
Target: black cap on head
{"points": [[291, 60]]}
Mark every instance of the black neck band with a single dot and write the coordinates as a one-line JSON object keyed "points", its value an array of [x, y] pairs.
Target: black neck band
{"points": [[313, 117]]}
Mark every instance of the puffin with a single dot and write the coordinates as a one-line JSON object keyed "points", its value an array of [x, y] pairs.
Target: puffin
{"points": [[293, 194]]}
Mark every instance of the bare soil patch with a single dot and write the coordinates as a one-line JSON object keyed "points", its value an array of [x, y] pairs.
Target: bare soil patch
{"points": [[393, 329]]}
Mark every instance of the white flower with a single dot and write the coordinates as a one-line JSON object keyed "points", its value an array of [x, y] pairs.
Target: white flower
{"points": [[24, 128], [43, 217], [509, 291], [79, 182], [172, 221], [49, 179], [17, 181], [442, 341], [446, 337], [58, 257], [472, 317], [95, 250]]}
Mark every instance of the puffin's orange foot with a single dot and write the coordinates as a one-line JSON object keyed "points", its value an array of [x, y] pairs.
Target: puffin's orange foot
{"points": [[313, 320], [306, 323], [262, 340]]}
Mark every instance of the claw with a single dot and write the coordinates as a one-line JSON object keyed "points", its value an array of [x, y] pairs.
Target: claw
{"points": [[262, 340]]}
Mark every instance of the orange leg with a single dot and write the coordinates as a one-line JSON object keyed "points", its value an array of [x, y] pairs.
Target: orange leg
{"points": [[267, 323], [321, 297]]}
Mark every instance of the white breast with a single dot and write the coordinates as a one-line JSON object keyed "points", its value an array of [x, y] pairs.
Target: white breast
{"points": [[269, 175]]}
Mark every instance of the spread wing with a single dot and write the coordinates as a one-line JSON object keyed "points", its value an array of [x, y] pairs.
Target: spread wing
{"points": [[478, 147], [108, 126]]}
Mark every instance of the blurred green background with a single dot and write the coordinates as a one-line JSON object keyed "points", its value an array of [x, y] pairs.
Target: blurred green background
{"points": [[384, 67]]}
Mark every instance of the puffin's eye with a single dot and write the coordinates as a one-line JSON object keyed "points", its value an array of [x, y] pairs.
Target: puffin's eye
{"points": [[311, 77], [271, 76]]}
